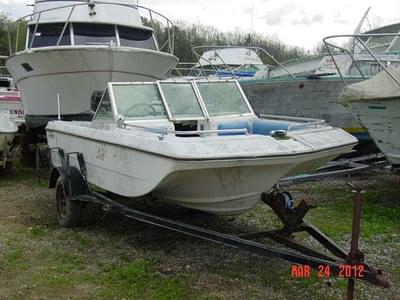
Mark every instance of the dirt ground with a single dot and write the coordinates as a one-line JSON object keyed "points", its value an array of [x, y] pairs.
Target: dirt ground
{"points": [[111, 257]]}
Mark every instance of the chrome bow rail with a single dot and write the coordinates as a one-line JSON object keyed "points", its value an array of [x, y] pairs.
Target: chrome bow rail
{"points": [[195, 50], [362, 40]]}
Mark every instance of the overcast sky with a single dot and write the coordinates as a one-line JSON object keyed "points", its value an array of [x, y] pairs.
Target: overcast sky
{"points": [[298, 23]]}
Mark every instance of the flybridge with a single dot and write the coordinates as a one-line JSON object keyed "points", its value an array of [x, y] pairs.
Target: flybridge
{"points": [[83, 22]]}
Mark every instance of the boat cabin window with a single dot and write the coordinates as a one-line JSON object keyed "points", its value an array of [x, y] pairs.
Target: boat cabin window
{"points": [[94, 34], [48, 35], [5, 83], [138, 38], [182, 100], [139, 101], [104, 110], [222, 98]]}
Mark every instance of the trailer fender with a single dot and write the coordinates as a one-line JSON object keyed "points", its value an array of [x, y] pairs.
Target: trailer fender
{"points": [[54, 174], [78, 185]]}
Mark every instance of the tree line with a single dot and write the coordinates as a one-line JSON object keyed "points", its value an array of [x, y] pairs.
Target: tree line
{"points": [[187, 36]]}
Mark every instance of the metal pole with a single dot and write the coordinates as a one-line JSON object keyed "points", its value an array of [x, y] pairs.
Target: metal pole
{"points": [[355, 235], [58, 106]]}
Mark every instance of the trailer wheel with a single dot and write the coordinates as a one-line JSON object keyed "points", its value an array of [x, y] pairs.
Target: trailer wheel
{"points": [[68, 211]]}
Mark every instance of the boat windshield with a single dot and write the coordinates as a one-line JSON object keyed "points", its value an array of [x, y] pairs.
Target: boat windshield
{"points": [[182, 100], [222, 98], [139, 101], [179, 100]]}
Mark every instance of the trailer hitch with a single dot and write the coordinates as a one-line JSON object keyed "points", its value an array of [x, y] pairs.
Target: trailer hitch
{"points": [[292, 218]]}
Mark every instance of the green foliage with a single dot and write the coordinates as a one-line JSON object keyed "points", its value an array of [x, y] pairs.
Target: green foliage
{"points": [[5, 21], [188, 36], [8, 28]]}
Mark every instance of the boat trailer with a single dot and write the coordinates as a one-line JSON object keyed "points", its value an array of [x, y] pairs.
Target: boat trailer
{"points": [[73, 190]]}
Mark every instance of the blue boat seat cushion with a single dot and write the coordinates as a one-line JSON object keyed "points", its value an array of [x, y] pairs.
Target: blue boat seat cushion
{"points": [[263, 127], [266, 127], [233, 125]]}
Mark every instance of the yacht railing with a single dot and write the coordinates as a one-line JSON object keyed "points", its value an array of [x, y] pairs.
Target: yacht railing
{"points": [[364, 44], [226, 66], [28, 19]]}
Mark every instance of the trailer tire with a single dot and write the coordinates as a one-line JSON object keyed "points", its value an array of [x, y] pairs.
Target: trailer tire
{"points": [[69, 211]]}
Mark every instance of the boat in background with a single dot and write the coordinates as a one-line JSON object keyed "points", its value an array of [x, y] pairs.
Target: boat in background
{"points": [[197, 144], [376, 103], [72, 48], [10, 97]]}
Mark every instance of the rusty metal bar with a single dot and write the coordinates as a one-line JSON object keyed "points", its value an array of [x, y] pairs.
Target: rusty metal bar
{"points": [[355, 255]]}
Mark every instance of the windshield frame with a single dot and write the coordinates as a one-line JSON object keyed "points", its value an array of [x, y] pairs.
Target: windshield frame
{"points": [[195, 92], [169, 115]]}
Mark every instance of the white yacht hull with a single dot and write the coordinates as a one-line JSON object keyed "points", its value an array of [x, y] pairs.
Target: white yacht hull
{"points": [[213, 181], [382, 119], [75, 73]]}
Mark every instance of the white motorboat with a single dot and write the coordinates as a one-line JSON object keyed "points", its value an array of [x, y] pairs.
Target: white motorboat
{"points": [[10, 100], [376, 103], [74, 47], [197, 144]]}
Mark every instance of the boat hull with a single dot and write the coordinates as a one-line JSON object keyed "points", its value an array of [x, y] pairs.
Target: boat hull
{"points": [[227, 186], [76, 73], [382, 119], [302, 97], [10, 103], [235, 189]]}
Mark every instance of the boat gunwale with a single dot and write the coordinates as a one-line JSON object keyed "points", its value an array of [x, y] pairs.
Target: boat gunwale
{"points": [[248, 158]]}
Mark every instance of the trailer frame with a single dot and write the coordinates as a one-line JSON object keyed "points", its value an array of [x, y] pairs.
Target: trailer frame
{"points": [[77, 190]]}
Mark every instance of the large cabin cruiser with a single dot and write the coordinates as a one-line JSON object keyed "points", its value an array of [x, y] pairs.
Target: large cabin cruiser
{"points": [[73, 48], [197, 144]]}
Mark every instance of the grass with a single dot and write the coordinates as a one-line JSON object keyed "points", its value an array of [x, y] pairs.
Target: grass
{"points": [[377, 216], [24, 174], [114, 259]]}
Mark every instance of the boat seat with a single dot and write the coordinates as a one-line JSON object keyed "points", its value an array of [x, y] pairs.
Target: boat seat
{"points": [[266, 127], [262, 127], [233, 125]]}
